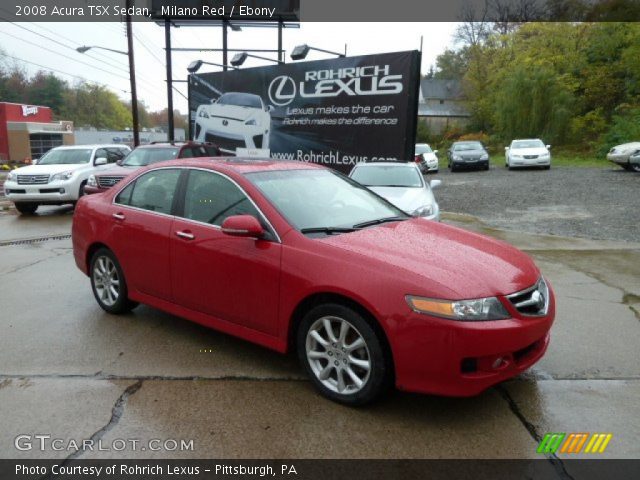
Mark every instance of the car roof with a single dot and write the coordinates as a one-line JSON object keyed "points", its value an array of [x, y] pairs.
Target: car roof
{"points": [[91, 146], [386, 164], [467, 141], [525, 140], [176, 144], [239, 165]]}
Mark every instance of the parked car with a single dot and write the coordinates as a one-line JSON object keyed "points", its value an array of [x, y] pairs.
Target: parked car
{"points": [[426, 158], [468, 154], [145, 155], [236, 119], [621, 155], [401, 184], [59, 176], [527, 153], [291, 255]]}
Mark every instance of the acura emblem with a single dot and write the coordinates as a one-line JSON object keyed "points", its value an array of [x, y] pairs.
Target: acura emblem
{"points": [[225, 122]]}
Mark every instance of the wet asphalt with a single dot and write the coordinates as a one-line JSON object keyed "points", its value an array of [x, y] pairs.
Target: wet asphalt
{"points": [[71, 370]]}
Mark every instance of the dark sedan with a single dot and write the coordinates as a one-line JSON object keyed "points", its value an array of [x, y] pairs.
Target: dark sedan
{"points": [[470, 154]]}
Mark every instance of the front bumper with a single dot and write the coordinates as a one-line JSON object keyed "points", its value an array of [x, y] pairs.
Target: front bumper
{"points": [[53, 192], [619, 158], [432, 167], [530, 162], [453, 358]]}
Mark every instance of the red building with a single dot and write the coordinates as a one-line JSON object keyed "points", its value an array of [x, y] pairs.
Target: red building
{"points": [[28, 131]]}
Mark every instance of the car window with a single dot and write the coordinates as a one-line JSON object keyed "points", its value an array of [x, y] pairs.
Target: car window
{"points": [[467, 146], [146, 156], [420, 149], [114, 154], [188, 152], [124, 197], [527, 144], [153, 191], [211, 151], [211, 198], [240, 99], [65, 156], [387, 176]]}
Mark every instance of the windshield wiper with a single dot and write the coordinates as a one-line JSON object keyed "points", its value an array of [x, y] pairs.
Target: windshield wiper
{"points": [[378, 221], [328, 230]]}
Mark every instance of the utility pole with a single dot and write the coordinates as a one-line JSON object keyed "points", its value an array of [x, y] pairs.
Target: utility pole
{"points": [[132, 78], [167, 48]]}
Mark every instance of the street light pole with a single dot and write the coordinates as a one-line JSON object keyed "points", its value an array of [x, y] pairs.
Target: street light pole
{"points": [[132, 78]]}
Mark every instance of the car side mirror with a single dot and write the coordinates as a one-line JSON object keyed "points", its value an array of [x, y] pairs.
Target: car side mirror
{"points": [[548, 147], [34, 161], [435, 184], [506, 148], [119, 162], [435, 151], [100, 161], [270, 108], [242, 226]]}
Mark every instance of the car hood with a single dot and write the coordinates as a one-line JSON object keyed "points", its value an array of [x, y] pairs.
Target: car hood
{"points": [[232, 112], [627, 147], [469, 153], [529, 151], [406, 199], [49, 169], [443, 261], [117, 170], [430, 156]]}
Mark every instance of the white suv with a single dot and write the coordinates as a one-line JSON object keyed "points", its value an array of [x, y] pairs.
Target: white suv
{"points": [[59, 175]]}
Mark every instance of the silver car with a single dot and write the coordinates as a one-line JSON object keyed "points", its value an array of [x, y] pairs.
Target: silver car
{"points": [[626, 155], [401, 184]]}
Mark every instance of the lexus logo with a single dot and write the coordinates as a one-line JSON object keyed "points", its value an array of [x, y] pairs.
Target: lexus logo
{"points": [[282, 90], [225, 122]]}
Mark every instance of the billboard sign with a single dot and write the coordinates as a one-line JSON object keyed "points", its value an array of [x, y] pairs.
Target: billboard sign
{"points": [[335, 112]]}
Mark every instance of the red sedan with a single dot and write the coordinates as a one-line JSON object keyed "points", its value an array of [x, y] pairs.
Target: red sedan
{"points": [[294, 256]]}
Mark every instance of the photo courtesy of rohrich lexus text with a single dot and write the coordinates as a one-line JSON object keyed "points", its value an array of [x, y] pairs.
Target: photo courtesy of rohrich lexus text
{"points": [[319, 239], [335, 112]]}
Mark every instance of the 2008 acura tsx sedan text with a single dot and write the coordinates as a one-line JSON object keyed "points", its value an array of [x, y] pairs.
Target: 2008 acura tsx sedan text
{"points": [[295, 256]]}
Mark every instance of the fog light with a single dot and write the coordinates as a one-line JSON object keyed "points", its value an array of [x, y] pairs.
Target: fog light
{"points": [[62, 190], [497, 363]]}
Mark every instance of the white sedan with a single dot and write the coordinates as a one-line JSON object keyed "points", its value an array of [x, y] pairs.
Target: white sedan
{"points": [[402, 184], [426, 158], [527, 153]]}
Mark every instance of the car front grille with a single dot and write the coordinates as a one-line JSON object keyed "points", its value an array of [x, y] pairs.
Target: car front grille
{"points": [[530, 157], [533, 301], [223, 142], [108, 181], [33, 179]]}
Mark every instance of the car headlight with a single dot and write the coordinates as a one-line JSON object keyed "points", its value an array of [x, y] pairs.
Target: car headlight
{"points": [[515, 156], [475, 310], [423, 211], [251, 122], [203, 114], [91, 181], [457, 157], [63, 175], [12, 176], [485, 156], [545, 155]]}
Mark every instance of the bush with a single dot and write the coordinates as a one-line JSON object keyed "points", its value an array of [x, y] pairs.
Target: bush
{"points": [[625, 127]]}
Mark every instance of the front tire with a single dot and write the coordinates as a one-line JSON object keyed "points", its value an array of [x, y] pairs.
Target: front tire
{"points": [[108, 283], [634, 167], [26, 208], [343, 355]]}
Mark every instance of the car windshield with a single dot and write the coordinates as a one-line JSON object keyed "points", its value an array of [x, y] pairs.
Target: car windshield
{"points": [[460, 147], [527, 144], [423, 148], [66, 156], [146, 156], [387, 176], [240, 99], [316, 199]]}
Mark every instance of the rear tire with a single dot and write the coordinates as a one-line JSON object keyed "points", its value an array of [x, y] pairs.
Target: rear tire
{"points": [[634, 167], [26, 208], [108, 283], [343, 355]]}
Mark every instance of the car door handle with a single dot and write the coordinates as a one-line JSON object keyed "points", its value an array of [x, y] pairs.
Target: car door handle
{"points": [[186, 235], [118, 216]]}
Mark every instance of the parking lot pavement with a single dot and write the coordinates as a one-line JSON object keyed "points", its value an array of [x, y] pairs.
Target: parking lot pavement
{"points": [[70, 370], [601, 203]]}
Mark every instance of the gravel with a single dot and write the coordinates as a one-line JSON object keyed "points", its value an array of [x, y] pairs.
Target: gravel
{"points": [[593, 203]]}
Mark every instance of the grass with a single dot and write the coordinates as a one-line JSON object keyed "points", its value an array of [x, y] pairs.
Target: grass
{"points": [[566, 159]]}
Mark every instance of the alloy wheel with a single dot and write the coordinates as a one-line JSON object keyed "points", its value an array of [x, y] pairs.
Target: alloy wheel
{"points": [[106, 280], [338, 355]]}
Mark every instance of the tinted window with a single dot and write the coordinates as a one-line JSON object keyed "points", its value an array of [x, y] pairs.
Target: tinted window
{"points": [[124, 197], [467, 146], [115, 154], [154, 190], [211, 198], [387, 176], [146, 156], [240, 99], [527, 144]]}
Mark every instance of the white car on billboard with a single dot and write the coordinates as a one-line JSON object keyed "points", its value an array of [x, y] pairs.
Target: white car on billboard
{"points": [[234, 120]]}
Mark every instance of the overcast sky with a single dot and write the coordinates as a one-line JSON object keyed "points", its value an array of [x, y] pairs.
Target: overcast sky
{"points": [[52, 46]]}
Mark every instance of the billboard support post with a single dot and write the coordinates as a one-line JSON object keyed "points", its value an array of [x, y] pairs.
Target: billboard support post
{"points": [[167, 46], [280, 52], [225, 50]]}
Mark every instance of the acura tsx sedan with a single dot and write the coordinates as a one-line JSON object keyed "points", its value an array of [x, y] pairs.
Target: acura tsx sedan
{"points": [[298, 257]]}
